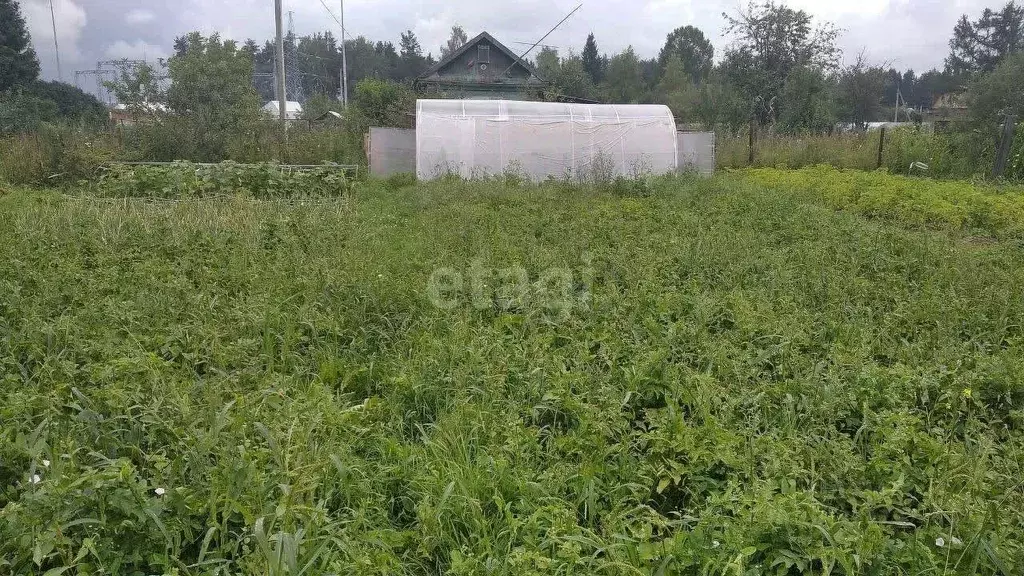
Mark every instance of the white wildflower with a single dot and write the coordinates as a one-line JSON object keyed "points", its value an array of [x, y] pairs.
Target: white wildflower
{"points": [[715, 543], [160, 491], [46, 463], [940, 541], [36, 479]]}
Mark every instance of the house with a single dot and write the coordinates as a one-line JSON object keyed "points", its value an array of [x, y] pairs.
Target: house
{"points": [[948, 108], [292, 109], [145, 113], [482, 69]]}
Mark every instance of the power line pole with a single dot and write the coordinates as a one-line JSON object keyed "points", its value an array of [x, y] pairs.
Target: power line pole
{"points": [[281, 96], [293, 77], [56, 47], [344, 60]]}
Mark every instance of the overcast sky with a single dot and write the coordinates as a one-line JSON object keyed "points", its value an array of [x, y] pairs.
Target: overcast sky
{"points": [[901, 33]]}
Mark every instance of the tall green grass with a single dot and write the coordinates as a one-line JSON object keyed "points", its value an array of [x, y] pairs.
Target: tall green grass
{"points": [[964, 154], [754, 383], [856, 151]]}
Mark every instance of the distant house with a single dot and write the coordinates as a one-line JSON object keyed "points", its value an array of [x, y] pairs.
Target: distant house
{"points": [[483, 69], [292, 109], [145, 113], [948, 108]]}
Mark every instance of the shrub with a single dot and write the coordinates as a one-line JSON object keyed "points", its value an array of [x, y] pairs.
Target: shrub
{"points": [[187, 180], [55, 155]]}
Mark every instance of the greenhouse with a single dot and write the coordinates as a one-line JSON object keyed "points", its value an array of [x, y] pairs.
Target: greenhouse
{"points": [[476, 138]]}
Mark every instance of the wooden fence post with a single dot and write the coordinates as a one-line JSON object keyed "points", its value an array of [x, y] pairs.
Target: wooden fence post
{"points": [[1005, 145], [881, 146]]}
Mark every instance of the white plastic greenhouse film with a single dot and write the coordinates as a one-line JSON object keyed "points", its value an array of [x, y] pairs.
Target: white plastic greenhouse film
{"points": [[475, 138]]}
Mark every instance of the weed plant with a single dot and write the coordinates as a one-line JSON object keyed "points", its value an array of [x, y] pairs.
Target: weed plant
{"points": [[757, 383], [967, 208]]}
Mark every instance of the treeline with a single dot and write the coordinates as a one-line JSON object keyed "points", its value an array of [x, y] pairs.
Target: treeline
{"points": [[25, 100], [782, 68]]}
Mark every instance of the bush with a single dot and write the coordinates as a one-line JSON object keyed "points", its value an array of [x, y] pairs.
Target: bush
{"points": [[948, 155], [22, 112], [187, 180], [55, 155]]}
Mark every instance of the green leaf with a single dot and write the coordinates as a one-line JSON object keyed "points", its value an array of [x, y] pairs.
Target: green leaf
{"points": [[663, 484]]}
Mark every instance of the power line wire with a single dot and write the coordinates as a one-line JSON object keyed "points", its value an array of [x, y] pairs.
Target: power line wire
{"points": [[324, 4]]}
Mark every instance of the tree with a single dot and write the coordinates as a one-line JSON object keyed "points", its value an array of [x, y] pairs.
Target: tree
{"points": [[71, 102], [770, 40], [319, 64], [676, 90], [571, 78], [981, 45], [693, 50], [458, 40], [22, 112], [860, 92], [18, 63], [251, 48], [624, 82], [211, 89], [593, 64], [548, 64], [1000, 92], [411, 55], [930, 85], [806, 105], [674, 76], [719, 105], [368, 60], [389, 59], [385, 103], [135, 87]]}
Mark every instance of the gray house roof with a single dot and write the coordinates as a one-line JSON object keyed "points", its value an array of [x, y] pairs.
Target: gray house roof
{"points": [[456, 54]]}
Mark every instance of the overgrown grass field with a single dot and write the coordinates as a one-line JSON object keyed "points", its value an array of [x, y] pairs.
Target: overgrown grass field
{"points": [[740, 375]]}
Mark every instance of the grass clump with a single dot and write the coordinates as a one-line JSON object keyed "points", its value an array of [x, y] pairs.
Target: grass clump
{"points": [[737, 379]]}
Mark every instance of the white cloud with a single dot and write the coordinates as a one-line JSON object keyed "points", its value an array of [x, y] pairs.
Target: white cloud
{"points": [[139, 16], [137, 50], [71, 21]]}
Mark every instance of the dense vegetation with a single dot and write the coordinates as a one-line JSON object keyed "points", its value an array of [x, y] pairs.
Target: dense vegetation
{"points": [[964, 155], [718, 376], [981, 210], [183, 180]]}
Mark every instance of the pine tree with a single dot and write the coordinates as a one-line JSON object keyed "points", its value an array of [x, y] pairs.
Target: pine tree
{"points": [[592, 62], [412, 63], [981, 45], [18, 63]]}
